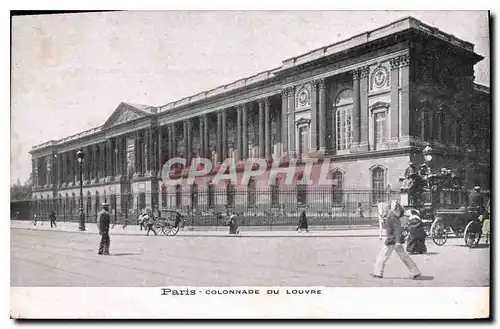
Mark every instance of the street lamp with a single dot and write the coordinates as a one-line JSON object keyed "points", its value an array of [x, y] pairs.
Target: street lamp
{"points": [[80, 155], [427, 152]]}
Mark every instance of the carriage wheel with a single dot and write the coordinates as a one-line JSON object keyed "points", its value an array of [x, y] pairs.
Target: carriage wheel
{"points": [[174, 230], [472, 234], [438, 232], [167, 230]]}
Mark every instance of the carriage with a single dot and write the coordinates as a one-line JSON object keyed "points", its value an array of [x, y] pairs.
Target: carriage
{"points": [[441, 202], [167, 222]]}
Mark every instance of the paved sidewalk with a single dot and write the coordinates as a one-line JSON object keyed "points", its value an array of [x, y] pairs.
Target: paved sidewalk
{"points": [[248, 231]]}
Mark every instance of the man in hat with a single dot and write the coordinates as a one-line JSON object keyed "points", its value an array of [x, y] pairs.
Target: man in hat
{"points": [[104, 220], [476, 203], [394, 242]]}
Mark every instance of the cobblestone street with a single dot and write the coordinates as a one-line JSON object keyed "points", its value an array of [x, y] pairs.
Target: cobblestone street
{"points": [[58, 258]]}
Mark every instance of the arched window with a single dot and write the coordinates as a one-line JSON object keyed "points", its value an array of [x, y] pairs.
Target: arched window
{"points": [[337, 187], [210, 195], [178, 196], [378, 184], [42, 208], [251, 193], [275, 193], [230, 195], [194, 195], [343, 116], [67, 206], [163, 196]]}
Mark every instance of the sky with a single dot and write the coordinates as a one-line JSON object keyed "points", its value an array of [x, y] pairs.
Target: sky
{"points": [[69, 72]]}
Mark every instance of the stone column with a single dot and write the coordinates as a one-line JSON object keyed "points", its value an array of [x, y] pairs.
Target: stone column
{"points": [[118, 156], [394, 110], [314, 117], [59, 170], [201, 131], [244, 133], [72, 156], [224, 135], [170, 142], [186, 144], [150, 151], [95, 163], [159, 160], [322, 116], [123, 156], [206, 137], [291, 121], [363, 104], [174, 141], [284, 121], [262, 150], [239, 147], [137, 155], [109, 160], [356, 114], [267, 128], [219, 137], [189, 142], [405, 96]]}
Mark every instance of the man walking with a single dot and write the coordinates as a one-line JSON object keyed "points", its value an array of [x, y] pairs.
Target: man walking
{"points": [[104, 220], [394, 242], [52, 218]]}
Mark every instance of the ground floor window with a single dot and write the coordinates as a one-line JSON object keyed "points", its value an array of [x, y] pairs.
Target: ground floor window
{"points": [[302, 195], [178, 196], [194, 195], [230, 195], [378, 184]]}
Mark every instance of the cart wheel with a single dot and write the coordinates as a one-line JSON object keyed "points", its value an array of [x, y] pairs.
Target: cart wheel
{"points": [[167, 230], [472, 234], [438, 232], [174, 230]]}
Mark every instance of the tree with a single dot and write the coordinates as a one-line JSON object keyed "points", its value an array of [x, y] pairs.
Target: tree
{"points": [[20, 191]]}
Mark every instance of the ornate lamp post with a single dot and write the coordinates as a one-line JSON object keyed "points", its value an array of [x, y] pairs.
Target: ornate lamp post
{"points": [[427, 152], [80, 155]]}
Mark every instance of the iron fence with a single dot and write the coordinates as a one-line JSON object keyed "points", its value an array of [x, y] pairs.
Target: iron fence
{"points": [[256, 207]]}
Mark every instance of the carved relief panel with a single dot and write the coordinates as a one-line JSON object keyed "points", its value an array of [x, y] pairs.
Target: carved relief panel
{"points": [[380, 77], [303, 97]]}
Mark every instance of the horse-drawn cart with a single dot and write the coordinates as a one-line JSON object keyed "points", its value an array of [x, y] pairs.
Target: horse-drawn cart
{"points": [[441, 202]]}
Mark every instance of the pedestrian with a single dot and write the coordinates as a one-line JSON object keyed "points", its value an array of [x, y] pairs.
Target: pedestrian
{"points": [[303, 225], [104, 221], [359, 211], [233, 224], [416, 234], [394, 242], [149, 221], [52, 218], [476, 203]]}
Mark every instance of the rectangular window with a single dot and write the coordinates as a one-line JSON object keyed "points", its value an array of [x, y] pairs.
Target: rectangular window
{"points": [[380, 127], [344, 128], [303, 140]]}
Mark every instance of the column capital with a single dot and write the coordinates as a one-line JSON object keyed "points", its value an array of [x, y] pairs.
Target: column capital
{"points": [[404, 60], [314, 85], [321, 83], [355, 74], [239, 108], [364, 71], [395, 62]]}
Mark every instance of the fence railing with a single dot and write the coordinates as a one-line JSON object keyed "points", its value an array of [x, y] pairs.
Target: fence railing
{"points": [[257, 207]]}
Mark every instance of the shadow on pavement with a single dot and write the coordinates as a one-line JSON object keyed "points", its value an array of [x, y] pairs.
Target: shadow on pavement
{"points": [[420, 278], [125, 254], [479, 246]]}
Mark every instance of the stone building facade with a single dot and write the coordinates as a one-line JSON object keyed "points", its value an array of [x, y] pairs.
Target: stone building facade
{"points": [[367, 106]]}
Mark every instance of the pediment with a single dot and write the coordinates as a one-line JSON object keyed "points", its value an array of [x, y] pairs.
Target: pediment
{"points": [[123, 113], [379, 105]]}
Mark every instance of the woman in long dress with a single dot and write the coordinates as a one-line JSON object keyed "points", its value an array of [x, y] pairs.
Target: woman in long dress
{"points": [[415, 243]]}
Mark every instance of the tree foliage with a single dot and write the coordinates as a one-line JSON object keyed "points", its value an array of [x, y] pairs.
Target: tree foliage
{"points": [[20, 191]]}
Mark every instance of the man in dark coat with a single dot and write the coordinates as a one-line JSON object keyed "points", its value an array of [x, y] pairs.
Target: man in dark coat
{"points": [[303, 224], [104, 220], [394, 242], [52, 218], [476, 203]]}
